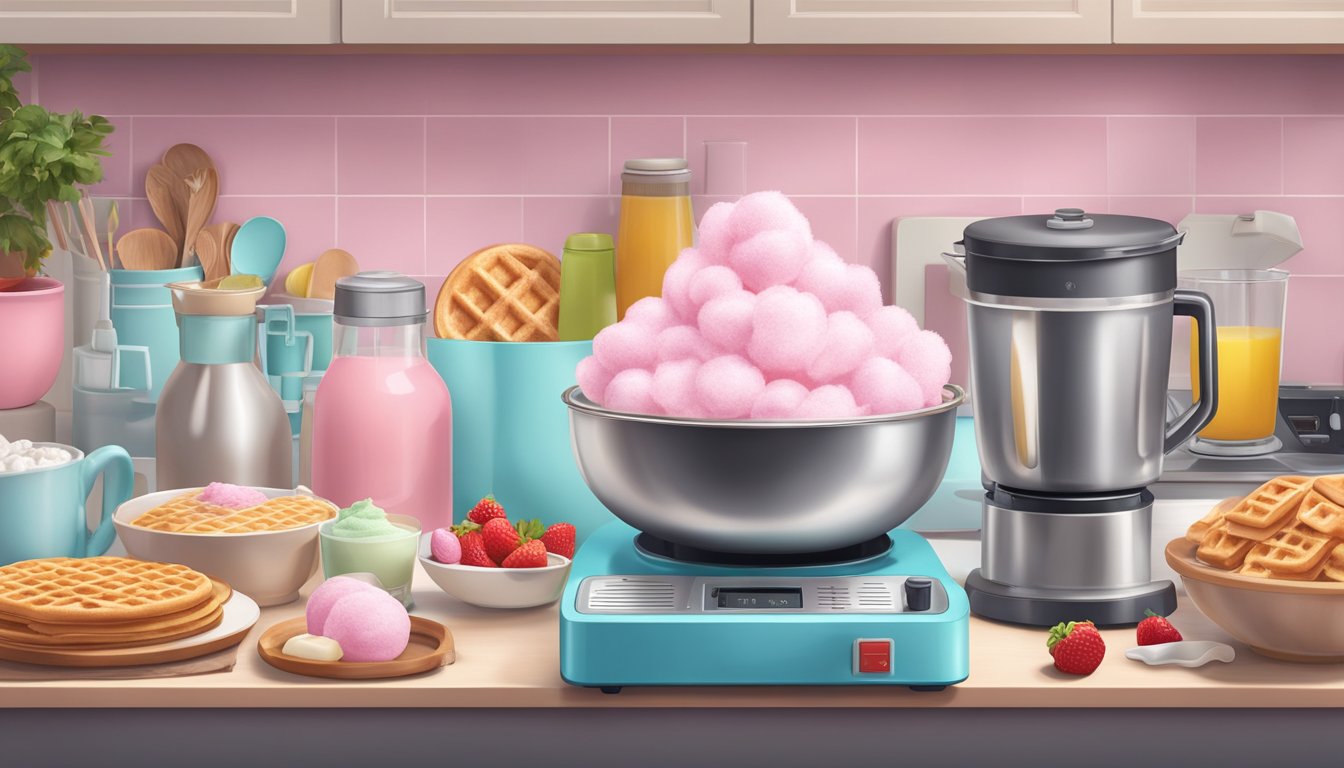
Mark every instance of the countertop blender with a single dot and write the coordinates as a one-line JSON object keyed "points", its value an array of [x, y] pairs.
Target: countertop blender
{"points": [[1070, 327]]}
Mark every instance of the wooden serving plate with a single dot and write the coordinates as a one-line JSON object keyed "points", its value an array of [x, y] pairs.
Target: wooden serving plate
{"points": [[431, 647]]}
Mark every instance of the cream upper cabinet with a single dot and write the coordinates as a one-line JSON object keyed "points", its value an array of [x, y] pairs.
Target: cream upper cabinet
{"points": [[1229, 21], [546, 21], [933, 21], [121, 22]]}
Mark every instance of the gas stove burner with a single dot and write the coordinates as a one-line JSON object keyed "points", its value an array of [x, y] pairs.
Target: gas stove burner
{"points": [[1220, 449], [662, 549]]}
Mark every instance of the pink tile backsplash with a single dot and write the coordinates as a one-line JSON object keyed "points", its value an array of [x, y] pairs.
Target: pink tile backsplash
{"points": [[413, 161]]}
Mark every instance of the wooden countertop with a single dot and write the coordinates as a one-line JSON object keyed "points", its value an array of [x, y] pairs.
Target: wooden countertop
{"points": [[511, 659]]}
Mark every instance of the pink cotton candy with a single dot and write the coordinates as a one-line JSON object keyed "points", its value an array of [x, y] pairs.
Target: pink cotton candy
{"points": [[677, 283], [625, 345], [651, 312], [764, 212], [832, 401], [928, 360], [890, 325], [674, 387], [681, 342], [885, 387], [716, 237], [820, 251], [770, 258], [370, 626], [779, 400], [231, 496], [592, 379], [788, 331], [842, 287], [726, 322], [849, 342], [726, 387], [325, 596], [444, 546], [631, 391], [710, 283]]}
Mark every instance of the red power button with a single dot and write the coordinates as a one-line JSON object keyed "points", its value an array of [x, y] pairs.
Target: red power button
{"points": [[873, 657]]}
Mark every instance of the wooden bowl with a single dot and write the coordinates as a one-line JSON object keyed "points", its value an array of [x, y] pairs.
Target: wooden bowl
{"points": [[431, 647]]}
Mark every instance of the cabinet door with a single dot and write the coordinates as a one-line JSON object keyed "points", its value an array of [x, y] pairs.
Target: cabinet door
{"points": [[547, 21], [933, 21], [1229, 21], [121, 22]]}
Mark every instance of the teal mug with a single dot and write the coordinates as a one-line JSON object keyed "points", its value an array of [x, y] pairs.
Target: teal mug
{"points": [[42, 510]]}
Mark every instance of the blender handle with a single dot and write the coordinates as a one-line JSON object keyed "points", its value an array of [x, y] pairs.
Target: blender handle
{"points": [[1197, 305]]}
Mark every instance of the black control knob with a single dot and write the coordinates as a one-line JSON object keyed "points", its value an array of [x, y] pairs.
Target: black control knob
{"points": [[918, 593]]}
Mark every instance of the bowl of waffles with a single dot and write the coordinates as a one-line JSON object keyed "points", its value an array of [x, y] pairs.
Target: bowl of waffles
{"points": [[1269, 568], [264, 545]]}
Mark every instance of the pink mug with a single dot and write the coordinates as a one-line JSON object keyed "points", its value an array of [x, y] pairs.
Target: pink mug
{"points": [[32, 343]]}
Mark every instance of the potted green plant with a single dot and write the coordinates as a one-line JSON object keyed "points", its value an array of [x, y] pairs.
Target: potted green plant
{"points": [[44, 157]]}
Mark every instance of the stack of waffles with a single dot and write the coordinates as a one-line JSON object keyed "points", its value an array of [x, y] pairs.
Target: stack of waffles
{"points": [[1292, 527], [102, 603], [188, 514]]}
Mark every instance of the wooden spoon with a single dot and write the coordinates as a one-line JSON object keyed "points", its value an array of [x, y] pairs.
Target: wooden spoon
{"points": [[161, 187], [147, 249], [204, 186], [330, 267], [212, 260], [184, 160], [222, 232]]}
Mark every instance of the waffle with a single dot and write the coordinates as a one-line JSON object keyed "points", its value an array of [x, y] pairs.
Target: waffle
{"points": [[22, 638], [219, 595], [1331, 487], [1259, 570], [1222, 549], [1271, 503], [1201, 527], [1296, 549], [187, 514], [1322, 514], [1333, 569], [63, 590], [507, 292]]}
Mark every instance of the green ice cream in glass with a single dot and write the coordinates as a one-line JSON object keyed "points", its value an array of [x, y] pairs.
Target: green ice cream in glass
{"points": [[365, 539]]}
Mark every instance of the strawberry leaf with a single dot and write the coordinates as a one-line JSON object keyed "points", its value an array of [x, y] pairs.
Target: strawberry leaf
{"points": [[530, 529]]}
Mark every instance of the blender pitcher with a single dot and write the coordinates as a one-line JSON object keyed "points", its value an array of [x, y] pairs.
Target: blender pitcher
{"points": [[1249, 305]]}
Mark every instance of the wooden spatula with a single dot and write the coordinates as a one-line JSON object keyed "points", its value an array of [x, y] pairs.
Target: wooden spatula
{"points": [[204, 185], [222, 232], [184, 160], [147, 249], [331, 266], [210, 255], [162, 188]]}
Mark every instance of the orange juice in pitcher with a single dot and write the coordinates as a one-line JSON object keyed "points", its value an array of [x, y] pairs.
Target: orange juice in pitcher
{"points": [[656, 224]]}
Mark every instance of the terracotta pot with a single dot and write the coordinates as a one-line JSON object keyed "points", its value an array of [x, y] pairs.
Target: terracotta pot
{"points": [[32, 339], [11, 270]]}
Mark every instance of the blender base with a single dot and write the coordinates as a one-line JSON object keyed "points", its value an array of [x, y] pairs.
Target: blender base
{"points": [[1039, 607]]}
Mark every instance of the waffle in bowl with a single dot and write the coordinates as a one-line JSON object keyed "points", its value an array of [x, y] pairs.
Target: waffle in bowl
{"points": [[188, 514], [508, 292]]}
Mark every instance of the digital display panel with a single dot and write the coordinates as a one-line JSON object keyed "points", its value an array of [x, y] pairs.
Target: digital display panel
{"points": [[752, 598]]}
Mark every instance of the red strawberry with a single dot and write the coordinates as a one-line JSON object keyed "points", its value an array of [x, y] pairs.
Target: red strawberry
{"points": [[500, 538], [1156, 630], [473, 550], [1077, 647], [529, 555], [485, 510], [559, 539]]}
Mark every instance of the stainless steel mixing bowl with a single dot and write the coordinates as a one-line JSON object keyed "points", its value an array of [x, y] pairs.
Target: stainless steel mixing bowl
{"points": [[779, 487]]}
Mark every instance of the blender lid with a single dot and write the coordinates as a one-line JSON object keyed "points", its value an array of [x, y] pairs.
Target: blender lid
{"points": [[379, 299], [1070, 234]]}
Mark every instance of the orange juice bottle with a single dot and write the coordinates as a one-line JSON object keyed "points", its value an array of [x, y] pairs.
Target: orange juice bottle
{"points": [[656, 224]]}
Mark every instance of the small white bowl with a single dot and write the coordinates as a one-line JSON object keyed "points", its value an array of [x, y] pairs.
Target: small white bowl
{"points": [[498, 587], [267, 566]]}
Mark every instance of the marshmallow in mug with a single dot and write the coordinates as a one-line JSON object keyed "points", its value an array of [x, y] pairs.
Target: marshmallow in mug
{"points": [[21, 455]]}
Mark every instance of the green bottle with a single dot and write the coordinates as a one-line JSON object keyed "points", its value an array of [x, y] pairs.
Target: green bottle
{"points": [[587, 286]]}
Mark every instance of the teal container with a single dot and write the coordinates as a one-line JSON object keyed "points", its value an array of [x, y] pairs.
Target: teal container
{"points": [[142, 313], [42, 510], [511, 430]]}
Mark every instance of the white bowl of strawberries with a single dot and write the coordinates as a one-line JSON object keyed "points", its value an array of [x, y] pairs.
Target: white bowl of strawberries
{"points": [[490, 562]]}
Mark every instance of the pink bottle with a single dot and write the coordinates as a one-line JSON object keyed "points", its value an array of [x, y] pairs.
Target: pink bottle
{"points": [[383, 421]]}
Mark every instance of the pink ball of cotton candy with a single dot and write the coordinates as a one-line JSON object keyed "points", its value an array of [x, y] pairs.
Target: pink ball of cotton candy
{"points": [[849, 342], [592, 378], [841, 287], [779, 400], [681, 342], [833, 401], [726, 321], [716, 237], [726, 387], [885, 387], [710, 283], [677, 283], [928, 360], [625, 345], [891, 326], [770, 258], [764, 212], [788, 331], [444, 546], [324, 597], [631, 391], [651, 312], [370, 626], [674, 387], [820, 251]]}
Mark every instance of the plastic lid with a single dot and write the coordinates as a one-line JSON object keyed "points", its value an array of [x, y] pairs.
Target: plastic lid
{"points": [[656, 166], [379, 299], [1069, 235], [589, 241]]}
